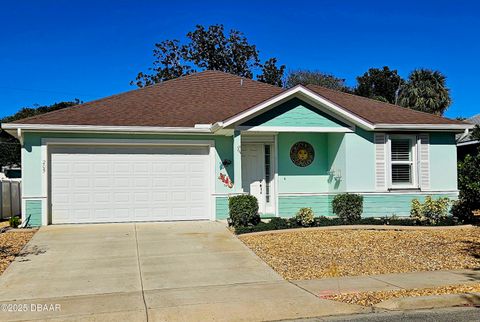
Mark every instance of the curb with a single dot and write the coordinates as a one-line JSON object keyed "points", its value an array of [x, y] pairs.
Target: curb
{"points": [[430, 302]]}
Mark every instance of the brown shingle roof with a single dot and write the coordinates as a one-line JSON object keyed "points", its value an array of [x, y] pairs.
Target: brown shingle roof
{"points": [[377, 112], [201, 98], [208, 97]]}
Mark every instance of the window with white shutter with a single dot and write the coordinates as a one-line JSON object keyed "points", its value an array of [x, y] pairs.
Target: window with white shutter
{"points": [[402, 161], [380, 161], [424, 158]]}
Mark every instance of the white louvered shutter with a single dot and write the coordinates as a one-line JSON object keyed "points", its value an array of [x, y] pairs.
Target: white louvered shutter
{"points": [[424, 161], [380, 161]]}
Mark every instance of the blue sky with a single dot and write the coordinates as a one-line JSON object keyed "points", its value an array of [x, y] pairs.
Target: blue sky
{"points": [[60, 50]]}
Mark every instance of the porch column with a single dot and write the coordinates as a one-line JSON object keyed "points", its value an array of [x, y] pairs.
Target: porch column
{"points": [[237, 161]]}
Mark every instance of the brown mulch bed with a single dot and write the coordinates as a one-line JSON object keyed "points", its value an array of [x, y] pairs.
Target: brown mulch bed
{"points": [[11, 244], [372, 298], [321, 254]]}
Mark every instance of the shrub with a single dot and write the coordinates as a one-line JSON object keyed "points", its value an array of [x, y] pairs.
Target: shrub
{"points": [[463, 212], [243, 210], [276, 223], [279, 223], [14, 221], [348, 207], [469, 186], [304, 217], [431, 211]]}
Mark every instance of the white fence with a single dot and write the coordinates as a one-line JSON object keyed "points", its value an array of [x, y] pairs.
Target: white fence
{"points": [[11, 200]]}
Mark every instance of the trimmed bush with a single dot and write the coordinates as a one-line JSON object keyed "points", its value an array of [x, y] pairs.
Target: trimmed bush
{"points": [[348, 207], [283, 223], [279, 223], [305, 217], [14, 221], [243, 211], [431, 211]]}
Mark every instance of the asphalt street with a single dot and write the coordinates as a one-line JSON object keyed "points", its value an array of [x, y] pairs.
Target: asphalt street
{"points": [[457, 314]]}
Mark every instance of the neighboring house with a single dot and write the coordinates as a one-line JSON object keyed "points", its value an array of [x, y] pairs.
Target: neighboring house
{"points": [[177, 151], [465, 143]]}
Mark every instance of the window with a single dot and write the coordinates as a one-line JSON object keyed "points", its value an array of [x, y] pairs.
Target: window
{"points": [[402, 161], [267, 173]]}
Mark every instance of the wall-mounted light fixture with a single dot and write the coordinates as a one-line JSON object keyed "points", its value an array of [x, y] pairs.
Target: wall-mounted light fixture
{"points": [[335, 174], [338, 175], [226, 162]]}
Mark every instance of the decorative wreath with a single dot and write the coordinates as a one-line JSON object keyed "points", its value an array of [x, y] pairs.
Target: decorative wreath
{"points": [[302, 154]]}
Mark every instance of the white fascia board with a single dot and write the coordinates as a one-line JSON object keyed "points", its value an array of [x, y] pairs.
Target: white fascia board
{"points": [[337, 110], [104, 129], [424, 127], [468, 143], [298, 90], [311, 129]]}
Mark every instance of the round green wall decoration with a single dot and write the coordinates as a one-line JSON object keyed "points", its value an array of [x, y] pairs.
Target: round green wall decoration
{"points": [[302, 154]]}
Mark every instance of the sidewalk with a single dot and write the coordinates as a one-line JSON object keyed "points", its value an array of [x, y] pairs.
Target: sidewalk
{"points": [[386, 282]]}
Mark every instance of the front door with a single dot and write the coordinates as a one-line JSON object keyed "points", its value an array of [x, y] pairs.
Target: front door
{"points": [[256, 174]]}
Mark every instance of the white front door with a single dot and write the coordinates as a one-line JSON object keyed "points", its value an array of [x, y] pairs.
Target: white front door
{"points": [[257, 174]]}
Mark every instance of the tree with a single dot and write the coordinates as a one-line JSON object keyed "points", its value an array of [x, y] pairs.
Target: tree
{"points": [[476, 133], [469, 187], [208, 48], [271, 74], [168, 64], [315, 77], [9, 146], [379, 84], [426, 91]]}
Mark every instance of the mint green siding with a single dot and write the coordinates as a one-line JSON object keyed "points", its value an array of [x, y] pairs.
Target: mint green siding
{"points": [[337, 162], [221, 208], [360, 161], [312, 178], [32, 166], [394, 204], [350, 155], [289, 205], [33, 213], [295, 113], [443, 161], [374, 205]]}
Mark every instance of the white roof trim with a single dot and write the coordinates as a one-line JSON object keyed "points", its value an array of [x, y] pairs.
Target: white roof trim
{"points": [[300, 91], [423, 127], [100, 128], [468, 143], [308, 129]]}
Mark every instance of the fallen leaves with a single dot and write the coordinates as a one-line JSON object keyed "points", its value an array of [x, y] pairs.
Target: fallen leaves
{"points": [[319, 254], [11, 244], [372, 298]]}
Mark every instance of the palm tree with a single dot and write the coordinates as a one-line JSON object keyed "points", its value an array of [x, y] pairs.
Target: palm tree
{"points": [[426, 91]]}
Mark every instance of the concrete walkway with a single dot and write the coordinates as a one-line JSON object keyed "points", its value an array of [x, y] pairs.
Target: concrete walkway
{"points": [[386, 282], [191, 271]]}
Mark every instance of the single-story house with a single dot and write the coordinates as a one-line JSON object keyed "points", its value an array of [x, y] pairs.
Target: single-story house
{"points": [[466, 144], [177, 150]]}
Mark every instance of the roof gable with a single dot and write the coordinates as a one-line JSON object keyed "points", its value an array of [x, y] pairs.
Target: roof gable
{"points": [[295, 113]]}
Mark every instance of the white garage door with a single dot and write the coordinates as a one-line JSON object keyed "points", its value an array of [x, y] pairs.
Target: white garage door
{"points": [[121, 184]]}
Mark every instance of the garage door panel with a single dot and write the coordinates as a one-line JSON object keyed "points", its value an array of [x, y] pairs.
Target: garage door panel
{"points": [[115, 184]]}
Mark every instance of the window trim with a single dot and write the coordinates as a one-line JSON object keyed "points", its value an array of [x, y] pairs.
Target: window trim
{"points": [[414, 146]]}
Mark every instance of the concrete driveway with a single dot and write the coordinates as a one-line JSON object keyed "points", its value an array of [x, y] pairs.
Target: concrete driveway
{"points": [[184, 271]]}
